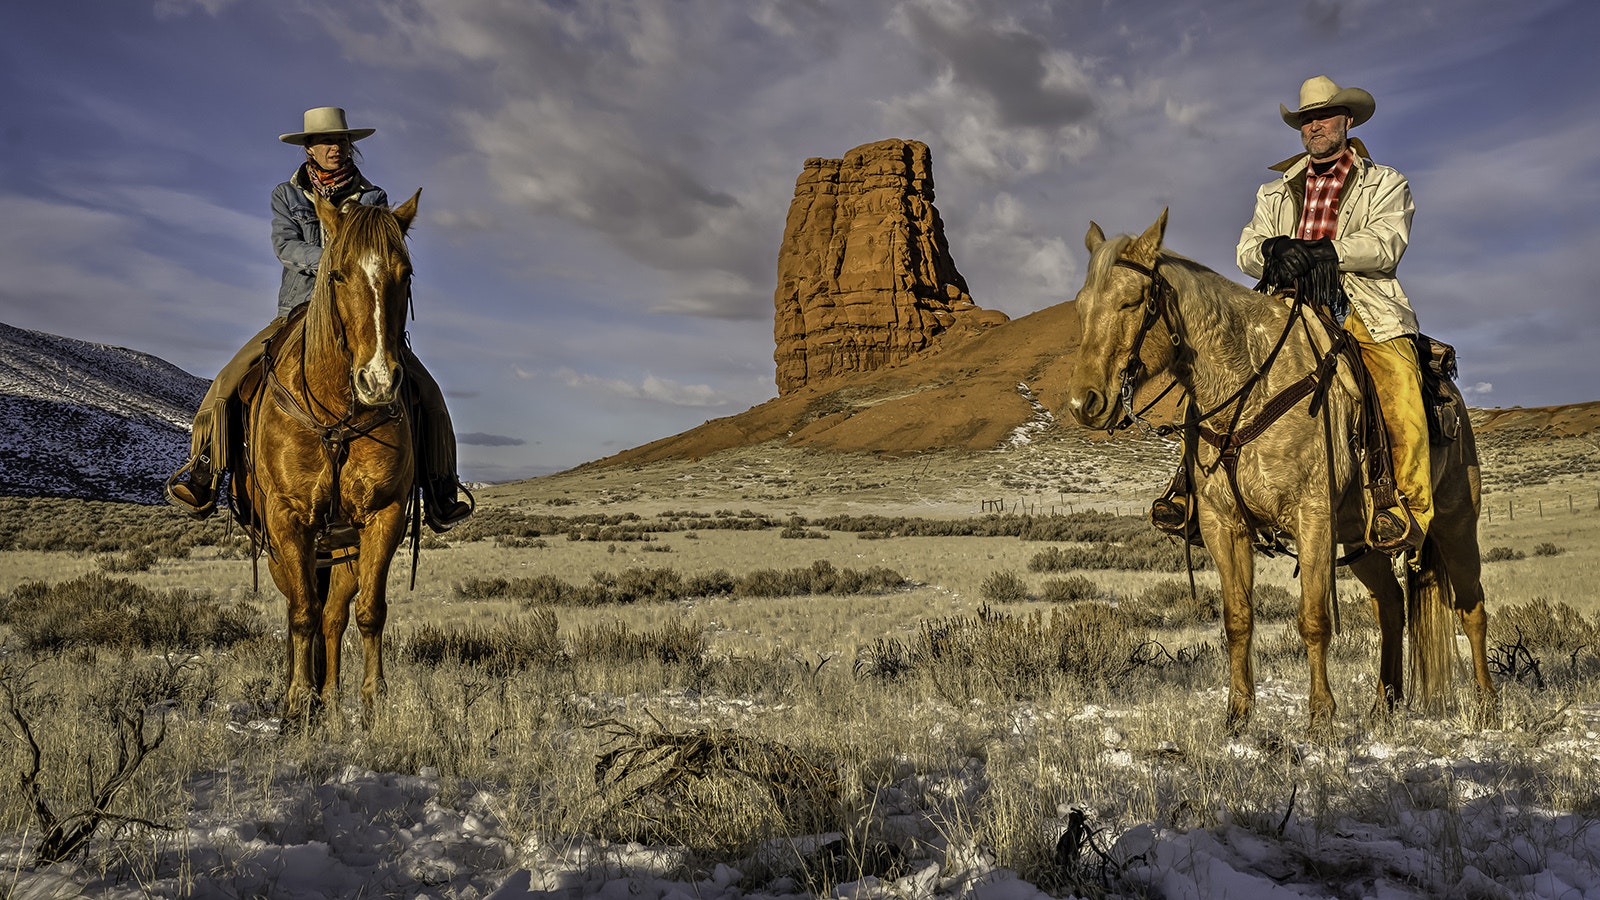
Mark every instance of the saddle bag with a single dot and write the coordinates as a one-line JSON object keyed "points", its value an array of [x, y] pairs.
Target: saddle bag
{"points": [[1440, 401]]}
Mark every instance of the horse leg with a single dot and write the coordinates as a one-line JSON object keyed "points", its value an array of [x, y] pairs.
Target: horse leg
{"points": [[294, 571], [1230, 548], [1375, 573], [335, 617], [1458, 547], [1315, 540], [382, 535]]}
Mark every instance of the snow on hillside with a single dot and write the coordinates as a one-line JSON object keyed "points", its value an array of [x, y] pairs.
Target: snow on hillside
{"points": [[79, 419]]}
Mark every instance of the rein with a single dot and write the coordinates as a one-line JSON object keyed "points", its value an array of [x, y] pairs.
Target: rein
{"points": [[348, 427], [1158, 298]]}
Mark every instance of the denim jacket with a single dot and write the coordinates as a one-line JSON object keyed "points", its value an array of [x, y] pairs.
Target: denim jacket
{"points": [[297, 235]]}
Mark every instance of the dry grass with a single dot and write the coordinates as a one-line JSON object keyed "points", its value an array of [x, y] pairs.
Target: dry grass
{"points": [[984, 701]]}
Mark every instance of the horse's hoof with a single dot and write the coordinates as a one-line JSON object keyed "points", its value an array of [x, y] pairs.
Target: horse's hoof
{"points": [[1238, 717], [1487, 713]]}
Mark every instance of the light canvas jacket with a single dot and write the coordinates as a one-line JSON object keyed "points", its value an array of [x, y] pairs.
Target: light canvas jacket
{"points": [[1374, 225], [297, 235]]}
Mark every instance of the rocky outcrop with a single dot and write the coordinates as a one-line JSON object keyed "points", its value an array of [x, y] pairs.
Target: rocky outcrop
{"points": [[865, 278]]}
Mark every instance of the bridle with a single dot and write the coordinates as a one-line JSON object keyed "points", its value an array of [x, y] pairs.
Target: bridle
{"points": [[1157, 301]]}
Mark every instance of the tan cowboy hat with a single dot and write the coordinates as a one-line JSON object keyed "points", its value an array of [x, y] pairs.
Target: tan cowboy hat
{"points": [[325, 120], [1320, 92]]}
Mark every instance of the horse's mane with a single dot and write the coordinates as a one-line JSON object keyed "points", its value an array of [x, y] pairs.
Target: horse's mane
{"points": [[369, 226], [360, 227]]}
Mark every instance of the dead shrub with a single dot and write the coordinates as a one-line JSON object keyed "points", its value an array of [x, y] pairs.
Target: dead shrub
{"points": [[713, 790]]}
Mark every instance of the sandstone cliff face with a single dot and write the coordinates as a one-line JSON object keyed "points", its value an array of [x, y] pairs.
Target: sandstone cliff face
{"points": [[865, 277]]}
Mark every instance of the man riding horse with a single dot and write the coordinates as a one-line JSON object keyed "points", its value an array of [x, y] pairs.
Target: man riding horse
{"points": [[1335, 212], [328, 170]]}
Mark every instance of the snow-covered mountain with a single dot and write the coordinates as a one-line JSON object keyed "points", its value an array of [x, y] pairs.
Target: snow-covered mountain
{"points": [[90, 420]]}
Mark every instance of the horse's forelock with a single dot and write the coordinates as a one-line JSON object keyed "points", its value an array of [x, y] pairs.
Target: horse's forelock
{"points": [[1105, 257], [368, 228]]}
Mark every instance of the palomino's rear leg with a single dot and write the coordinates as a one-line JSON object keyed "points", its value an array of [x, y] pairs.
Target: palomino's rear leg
{"points": [[1458, 546], [1376, 573]]}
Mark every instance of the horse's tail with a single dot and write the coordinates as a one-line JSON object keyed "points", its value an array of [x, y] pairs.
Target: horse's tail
{"points": [[1430, 613]]}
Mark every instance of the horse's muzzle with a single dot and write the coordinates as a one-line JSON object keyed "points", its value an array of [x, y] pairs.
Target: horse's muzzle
{"points": [[1089, 408], [377, 386]]}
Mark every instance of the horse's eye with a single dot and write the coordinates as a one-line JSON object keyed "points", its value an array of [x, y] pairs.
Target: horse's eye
{"points": [[336, 276]]}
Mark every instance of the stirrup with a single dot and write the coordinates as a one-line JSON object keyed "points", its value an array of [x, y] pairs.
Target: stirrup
{"points": [[188, 496], [1171, 515], [442, 517], [1394, 530]]}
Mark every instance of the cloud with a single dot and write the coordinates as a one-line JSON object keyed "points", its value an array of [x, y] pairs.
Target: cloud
{"points": [[657, 390], [483, 439], [172, 9]]}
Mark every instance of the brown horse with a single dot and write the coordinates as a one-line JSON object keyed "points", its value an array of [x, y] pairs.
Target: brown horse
{"points": [[330, 451], [1212, 335]]}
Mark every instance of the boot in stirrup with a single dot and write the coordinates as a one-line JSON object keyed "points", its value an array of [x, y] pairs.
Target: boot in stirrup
{"points": [[198, 495], [442, 509], [1171, 512], [1394, 530]]}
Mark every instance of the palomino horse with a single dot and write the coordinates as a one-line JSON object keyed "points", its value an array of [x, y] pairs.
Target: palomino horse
{"points": [[331, 450], [1212, 336]]}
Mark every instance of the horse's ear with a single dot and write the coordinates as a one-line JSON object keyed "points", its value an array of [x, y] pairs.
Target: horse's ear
{"points": [[1146, 246], [329, 215], [407, 211], [1095, 237]]}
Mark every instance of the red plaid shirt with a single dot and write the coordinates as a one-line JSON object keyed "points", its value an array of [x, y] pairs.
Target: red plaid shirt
{"points": [[1319, 216]]}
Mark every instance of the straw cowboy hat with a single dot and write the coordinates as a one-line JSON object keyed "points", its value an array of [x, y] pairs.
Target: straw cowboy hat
{"points": [[325, 120], [1320, 93]]}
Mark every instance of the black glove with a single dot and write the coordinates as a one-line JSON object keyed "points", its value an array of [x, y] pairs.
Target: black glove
{"points": [[1292, 257], [1322, 250]]}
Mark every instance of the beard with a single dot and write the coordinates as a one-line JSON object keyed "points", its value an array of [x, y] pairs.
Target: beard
{"points": [[1324, 144]]}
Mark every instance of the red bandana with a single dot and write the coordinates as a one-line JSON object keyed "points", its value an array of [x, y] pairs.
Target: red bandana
{"points": [[1319, 217], [332, 185]]}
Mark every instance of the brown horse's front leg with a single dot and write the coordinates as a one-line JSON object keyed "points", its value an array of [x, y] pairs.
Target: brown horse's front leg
{"points": [[294, 571], [335, 618], [1230, 548], [379, 539]]}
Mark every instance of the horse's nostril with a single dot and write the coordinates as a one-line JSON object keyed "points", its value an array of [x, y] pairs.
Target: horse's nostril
{"points": [[1094, 403]]}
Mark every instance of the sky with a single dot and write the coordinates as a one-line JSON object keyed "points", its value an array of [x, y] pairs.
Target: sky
{"points": [[605, 182]]}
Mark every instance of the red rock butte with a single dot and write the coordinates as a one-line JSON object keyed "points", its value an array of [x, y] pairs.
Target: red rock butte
{"points": [[865, 276]]}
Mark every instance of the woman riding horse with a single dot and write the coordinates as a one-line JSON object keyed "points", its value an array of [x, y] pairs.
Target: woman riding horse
{"points": [[328, 171]]}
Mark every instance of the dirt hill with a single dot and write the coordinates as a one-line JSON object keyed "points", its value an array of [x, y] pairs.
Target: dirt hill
{"points": [[975, 391]]}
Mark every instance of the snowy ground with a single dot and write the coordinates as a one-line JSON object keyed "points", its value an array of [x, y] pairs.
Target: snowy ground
{"points": [[368, 834]]}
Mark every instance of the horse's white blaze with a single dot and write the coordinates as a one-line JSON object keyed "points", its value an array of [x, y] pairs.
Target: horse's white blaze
{"points": [[377, 371]]}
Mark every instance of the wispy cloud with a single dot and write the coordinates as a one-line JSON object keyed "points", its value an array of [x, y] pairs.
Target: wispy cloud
{"points": [[482, 439], [659, 390]]}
